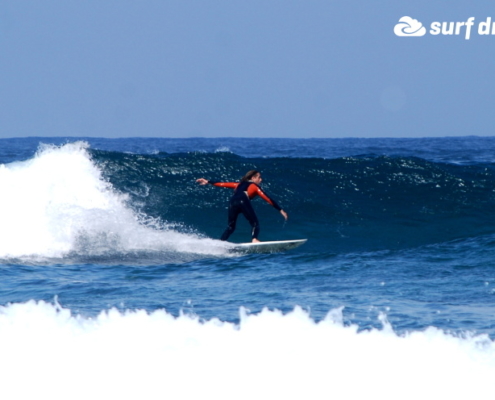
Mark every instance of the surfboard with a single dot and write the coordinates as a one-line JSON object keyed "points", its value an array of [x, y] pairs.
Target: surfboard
{"points": [[267, 247]]}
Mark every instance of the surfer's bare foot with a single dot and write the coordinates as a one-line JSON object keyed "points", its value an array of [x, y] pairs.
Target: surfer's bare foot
{"points": [[255, 241]]}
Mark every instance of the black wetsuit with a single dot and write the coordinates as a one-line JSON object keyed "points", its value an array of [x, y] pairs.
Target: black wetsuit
{"points": [[241, 203]]}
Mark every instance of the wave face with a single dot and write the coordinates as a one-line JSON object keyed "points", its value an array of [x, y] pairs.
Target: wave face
{"points": [[71, 199], [343, 204]]}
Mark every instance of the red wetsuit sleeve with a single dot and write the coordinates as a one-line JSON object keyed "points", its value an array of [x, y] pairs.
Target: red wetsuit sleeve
{"points": [[255, 190], [230, 185]]}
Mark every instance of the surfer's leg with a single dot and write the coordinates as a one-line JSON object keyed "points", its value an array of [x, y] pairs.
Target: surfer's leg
{"points": [[234, 211], [248, 212]]}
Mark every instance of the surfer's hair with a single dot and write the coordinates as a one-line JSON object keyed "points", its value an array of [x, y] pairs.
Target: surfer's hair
{"points": [[249, 175]]}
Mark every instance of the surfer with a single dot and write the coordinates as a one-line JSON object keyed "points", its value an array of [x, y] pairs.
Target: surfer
{"points": [[244, 192]]}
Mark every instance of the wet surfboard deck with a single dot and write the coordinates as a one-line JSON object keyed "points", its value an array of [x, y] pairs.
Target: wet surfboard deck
{"points": [[267, 247]]}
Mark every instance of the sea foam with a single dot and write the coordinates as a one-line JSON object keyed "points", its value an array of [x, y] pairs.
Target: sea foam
{"points": [[58, 203], [49, 353]]}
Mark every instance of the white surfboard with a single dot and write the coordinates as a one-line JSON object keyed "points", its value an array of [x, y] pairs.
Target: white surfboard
{"points": [[268, 247]]}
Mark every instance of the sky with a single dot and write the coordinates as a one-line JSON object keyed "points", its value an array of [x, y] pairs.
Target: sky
{"points": [[211, 68]]}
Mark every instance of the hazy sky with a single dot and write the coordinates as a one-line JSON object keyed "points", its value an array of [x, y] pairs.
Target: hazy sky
{"points": [[182, 68]]}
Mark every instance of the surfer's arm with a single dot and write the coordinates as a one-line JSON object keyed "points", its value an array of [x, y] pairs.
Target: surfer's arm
{"points": [[272, 202], [264, 196], [230, 185]]}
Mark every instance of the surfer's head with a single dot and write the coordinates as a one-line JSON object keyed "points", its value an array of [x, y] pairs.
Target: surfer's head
{"points": [[250, 175]]}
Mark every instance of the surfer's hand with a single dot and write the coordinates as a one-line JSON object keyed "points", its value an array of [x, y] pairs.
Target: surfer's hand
{"points": [[202, 181], [284, 214]]}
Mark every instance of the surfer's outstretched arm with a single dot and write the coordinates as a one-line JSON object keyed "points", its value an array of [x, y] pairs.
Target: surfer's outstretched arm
{"points": [[256, 190], [230, 185]]}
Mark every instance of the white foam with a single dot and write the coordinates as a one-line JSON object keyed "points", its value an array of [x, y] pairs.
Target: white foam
{"points": [[57, 203], [223, 149], [46, 351]]}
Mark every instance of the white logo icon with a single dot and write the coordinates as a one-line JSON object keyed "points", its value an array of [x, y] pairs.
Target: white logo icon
{"points": [[408, 26]]}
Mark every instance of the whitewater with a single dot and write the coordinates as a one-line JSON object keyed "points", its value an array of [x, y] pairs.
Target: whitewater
{"points": [[113, 283], [67, 207], [155, 355]]}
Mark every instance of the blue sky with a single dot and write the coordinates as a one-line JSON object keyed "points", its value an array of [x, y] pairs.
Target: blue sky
{"points": [[183, 68]]}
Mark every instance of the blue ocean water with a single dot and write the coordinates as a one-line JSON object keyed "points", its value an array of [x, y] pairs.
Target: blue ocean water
{"points": [[111, 273]]}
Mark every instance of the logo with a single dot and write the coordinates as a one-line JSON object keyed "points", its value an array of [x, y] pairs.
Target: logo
{"points": [[408, 26]]}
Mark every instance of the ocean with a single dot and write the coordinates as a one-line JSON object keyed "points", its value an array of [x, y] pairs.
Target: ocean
{"points": [[114, 285]]}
